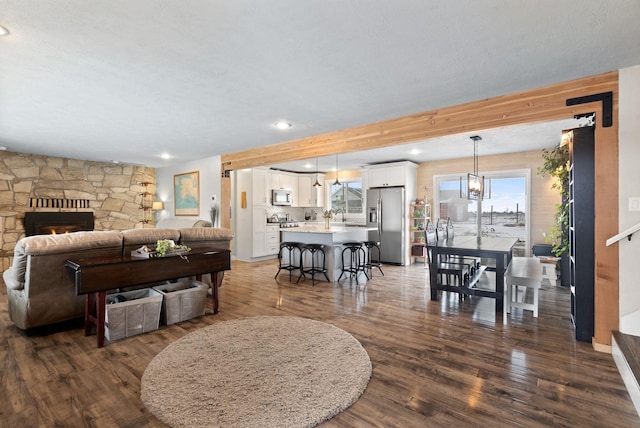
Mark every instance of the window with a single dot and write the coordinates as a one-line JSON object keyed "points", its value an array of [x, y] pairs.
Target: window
{"points": [[505, 214], [347, 197]]}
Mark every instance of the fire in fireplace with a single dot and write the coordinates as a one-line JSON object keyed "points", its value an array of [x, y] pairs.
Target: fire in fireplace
{"points": [[51, 223]]}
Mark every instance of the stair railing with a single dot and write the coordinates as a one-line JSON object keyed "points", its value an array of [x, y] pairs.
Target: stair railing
{"points": [[624, 234]]}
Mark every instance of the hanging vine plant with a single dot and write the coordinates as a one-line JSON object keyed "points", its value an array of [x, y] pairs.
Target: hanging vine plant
{"points": [[556, 164]]}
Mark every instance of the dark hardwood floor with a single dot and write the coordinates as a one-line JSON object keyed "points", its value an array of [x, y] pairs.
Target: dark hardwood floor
{"points": [[445, 363]]}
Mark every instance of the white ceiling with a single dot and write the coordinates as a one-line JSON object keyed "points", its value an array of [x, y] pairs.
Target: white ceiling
{"points": [[128, 80]]}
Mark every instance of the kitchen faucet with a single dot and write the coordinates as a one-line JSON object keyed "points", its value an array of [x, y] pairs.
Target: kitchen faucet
{"points": [[340, 210]]}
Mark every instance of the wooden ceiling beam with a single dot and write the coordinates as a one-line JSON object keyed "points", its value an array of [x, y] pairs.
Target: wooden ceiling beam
{"points": [[538, 105]]}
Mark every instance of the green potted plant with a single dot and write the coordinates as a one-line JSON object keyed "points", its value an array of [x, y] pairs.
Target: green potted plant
{"points": [[166, 247], [556, 164]]}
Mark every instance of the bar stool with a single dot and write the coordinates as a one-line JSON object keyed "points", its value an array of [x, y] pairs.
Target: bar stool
{"points": [[294, 253], [356, 258], [370, 264], [314, 250]]}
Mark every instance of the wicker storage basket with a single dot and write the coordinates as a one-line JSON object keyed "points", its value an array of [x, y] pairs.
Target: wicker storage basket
{"points": [[140, 313], [183, 300]]}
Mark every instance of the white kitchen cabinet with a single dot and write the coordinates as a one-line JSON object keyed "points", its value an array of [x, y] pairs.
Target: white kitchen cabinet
{"points": [[266, 237], [289, 181], [272, 239], [304, 190], [308, 194], [317, 193], [387, 175], [275, 179], [392, 174], [259, 232], [260, 187], [283, 180]]}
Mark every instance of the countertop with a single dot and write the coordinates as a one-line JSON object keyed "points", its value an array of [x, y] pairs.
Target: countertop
{"points": [[322, 229]]}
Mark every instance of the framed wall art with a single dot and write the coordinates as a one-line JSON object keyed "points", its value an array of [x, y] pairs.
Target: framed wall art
{"points": [[186, 193]]}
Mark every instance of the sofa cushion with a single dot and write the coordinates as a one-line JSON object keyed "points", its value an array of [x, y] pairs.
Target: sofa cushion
{"points": [[194, 234], [47, 244], [134, 238]]}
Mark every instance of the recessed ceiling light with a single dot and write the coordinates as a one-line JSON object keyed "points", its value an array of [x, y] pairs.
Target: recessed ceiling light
{"points": [[3, 31], [415, 151], [3, 148], [282, 125], [165, 156], [308, 165], [115, 161]]}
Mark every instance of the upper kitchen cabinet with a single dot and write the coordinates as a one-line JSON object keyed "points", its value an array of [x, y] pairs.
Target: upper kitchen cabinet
{"points": [[308, 194], [304, 190], [260, 187], [391, 174], [286, 181]]}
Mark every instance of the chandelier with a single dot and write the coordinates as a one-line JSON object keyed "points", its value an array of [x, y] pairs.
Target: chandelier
{"points": [[475, 189]]}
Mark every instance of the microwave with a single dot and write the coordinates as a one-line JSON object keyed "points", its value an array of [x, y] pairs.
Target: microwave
{"points": [[281, 197]]}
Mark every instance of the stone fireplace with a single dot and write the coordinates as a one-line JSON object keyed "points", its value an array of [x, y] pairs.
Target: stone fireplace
{"points": [[111, 192], [48, 223]]}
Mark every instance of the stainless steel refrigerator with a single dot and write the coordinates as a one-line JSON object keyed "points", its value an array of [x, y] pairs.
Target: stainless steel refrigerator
{"points": [[386, 212]]}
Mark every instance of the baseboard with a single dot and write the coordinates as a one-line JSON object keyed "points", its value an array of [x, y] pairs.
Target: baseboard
{"points": [[600, 347]]}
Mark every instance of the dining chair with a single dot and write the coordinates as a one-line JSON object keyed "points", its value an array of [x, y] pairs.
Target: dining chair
{"points": [[446, 269], [473, 262]]}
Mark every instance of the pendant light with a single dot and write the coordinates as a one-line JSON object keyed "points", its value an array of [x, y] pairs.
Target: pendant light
{"points": [[475, 189], [337, 182], [475, 183], [317, 183]]}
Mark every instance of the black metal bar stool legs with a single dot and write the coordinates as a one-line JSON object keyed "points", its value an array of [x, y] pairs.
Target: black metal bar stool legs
{"points": [[289, 257], [353, 260], [370, 262], [316, 252]]}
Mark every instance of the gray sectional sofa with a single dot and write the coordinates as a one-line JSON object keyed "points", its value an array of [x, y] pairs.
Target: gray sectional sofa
{"points": [[37, 292]]}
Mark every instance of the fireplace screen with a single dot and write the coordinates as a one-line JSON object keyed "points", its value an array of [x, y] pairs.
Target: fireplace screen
{"points": [[51, 223]]}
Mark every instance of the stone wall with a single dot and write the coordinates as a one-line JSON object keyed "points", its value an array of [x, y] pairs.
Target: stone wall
{"points": [[114, 192]]}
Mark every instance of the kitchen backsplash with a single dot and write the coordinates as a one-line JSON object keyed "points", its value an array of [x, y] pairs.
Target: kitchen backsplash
{"points": [[309, 214]]}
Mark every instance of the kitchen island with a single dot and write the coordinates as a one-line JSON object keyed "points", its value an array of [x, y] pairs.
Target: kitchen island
{"points": [[332, 238]]}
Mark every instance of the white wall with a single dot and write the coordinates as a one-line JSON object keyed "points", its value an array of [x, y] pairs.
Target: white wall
{"points": [[209, 169], [629, 186]]}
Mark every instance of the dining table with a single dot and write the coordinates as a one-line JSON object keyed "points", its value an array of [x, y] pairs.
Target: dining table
{"points": [[495, 253]]}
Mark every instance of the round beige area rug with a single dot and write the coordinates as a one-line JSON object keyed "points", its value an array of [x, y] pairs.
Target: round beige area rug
{"points": [[257, 372]]}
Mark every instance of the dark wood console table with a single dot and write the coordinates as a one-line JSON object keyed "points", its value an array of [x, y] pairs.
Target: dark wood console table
{"points": [[94, 276]]}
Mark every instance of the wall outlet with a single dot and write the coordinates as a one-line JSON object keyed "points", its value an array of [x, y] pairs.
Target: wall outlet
{"points": [[634, 204]]}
